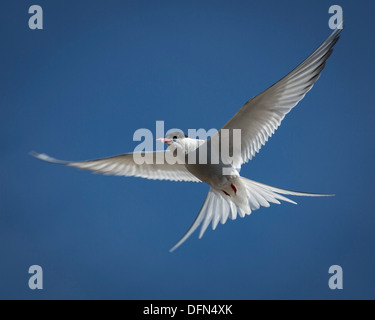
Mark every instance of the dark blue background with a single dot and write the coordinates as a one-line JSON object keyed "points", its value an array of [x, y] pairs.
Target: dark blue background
{"points": [[102, 69]]}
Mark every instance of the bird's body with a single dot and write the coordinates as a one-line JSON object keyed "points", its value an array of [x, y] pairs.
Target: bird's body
{"points": [[207, 170], [230, 195]]}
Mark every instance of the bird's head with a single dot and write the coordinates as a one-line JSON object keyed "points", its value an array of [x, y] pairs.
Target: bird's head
{"points": [[175, 140]]}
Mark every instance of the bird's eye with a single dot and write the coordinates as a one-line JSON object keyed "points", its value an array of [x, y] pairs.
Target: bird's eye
{"points": [[174, 138]]}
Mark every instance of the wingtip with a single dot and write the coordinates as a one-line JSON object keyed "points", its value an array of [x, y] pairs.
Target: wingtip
{"points": [[342, 24], [40, 156], [37, 155], [45, 157], [176, 246], [33, 154], [323, 194], [173, 249]]}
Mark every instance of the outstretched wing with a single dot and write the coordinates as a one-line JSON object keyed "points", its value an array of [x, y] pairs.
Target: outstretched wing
{"points": [[260, 117], [125, 165]]}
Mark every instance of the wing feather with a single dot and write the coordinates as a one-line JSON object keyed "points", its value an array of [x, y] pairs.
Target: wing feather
{"points": [[260, 117], [125, 165]]}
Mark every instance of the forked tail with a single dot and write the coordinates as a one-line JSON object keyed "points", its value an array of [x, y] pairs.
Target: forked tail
{"points": [[218, 207]]}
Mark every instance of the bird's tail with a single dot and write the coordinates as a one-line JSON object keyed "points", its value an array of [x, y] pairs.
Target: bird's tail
{"points": [[260, 192], [218, 207], [215, 209]]}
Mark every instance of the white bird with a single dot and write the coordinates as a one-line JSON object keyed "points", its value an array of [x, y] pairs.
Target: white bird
{"points": [[230, 194]]}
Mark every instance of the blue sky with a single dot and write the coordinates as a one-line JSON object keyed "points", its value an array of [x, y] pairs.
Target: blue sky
{"points": [[98, 71]]}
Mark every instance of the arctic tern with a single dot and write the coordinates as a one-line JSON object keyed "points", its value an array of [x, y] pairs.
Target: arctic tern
{"points": [[230, 195]]}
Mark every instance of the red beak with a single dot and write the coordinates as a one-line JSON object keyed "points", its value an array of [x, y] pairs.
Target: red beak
{"points": [[164, 140]]}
